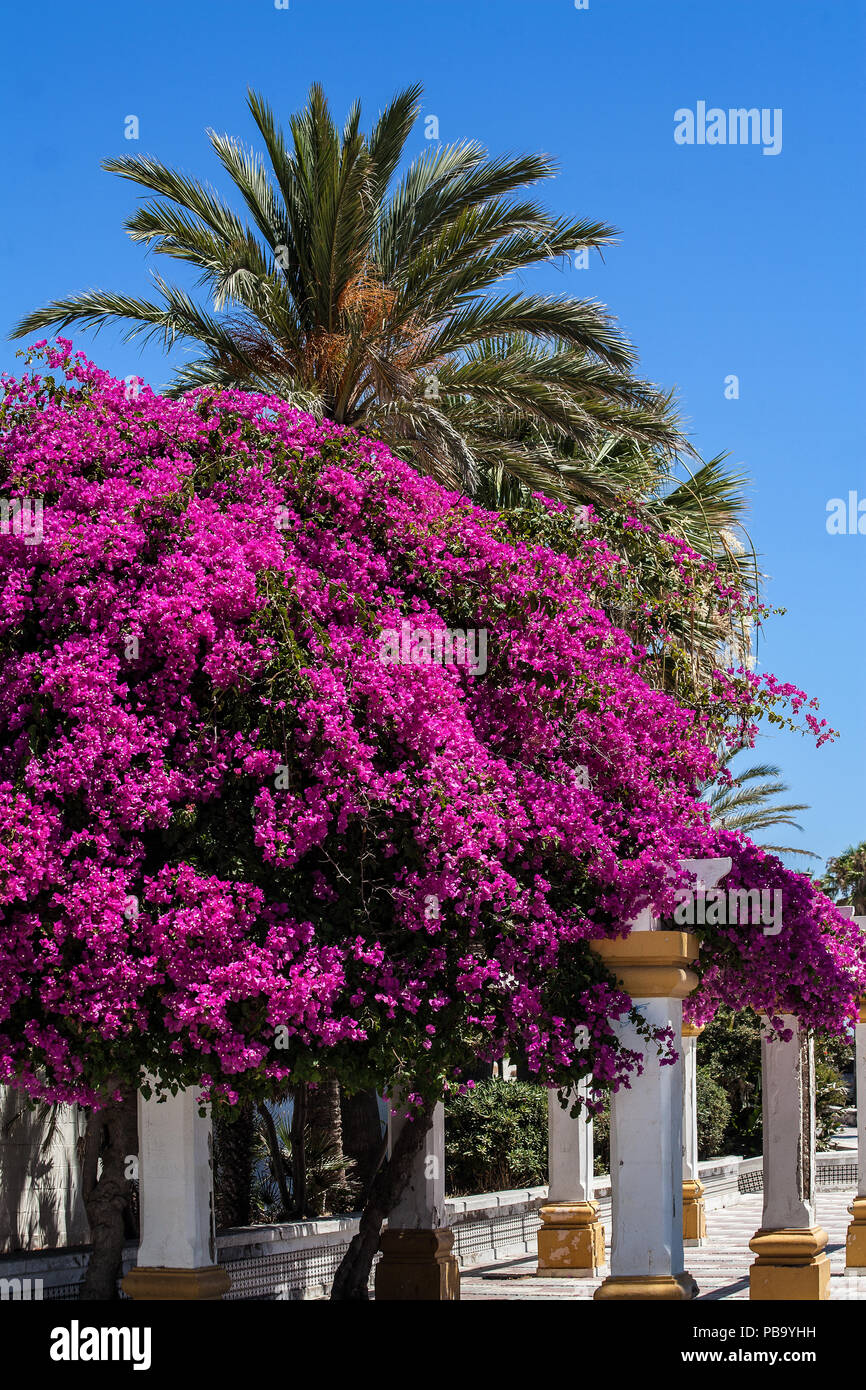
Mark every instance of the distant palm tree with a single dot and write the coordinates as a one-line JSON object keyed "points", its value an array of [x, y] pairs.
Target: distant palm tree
{"points": [[376, 300], [845, 878], [748, 804]]}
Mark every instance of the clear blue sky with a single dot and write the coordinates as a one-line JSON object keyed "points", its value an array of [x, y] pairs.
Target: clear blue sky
{"points": [[730, 261]]}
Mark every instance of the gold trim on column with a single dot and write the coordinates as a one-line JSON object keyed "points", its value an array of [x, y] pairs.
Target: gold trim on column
{"points": [[670, 1288], [651, 964], [693, 1030], [570, 1241], [205, 1284], [855, 1243], [694, 1212], [790, 1265], [417, 1265]]}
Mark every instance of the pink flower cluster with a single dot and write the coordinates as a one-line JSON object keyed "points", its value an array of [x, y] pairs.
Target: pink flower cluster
{"points": [[224, 818]]}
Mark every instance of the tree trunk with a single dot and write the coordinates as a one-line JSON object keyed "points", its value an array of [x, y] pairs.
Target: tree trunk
{"points": [[112, 1135], [325, 1127], [323, 1113], [362, 1134], [299, 1153], [234, 1137], [353, 1274]]}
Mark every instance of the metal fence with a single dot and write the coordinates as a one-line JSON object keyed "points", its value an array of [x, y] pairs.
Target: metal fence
{"points": [[828, 1176]]}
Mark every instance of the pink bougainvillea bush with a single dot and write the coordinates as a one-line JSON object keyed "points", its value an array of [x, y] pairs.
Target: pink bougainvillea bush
{"points": [[308, 762]]}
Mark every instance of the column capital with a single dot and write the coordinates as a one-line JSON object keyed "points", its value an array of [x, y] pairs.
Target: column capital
{"points": [[651, 964]]}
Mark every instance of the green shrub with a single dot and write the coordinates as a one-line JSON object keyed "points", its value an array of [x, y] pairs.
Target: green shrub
{"points": [[714, 1114], [496, 1138], [730, 1050], [601, 1140]]}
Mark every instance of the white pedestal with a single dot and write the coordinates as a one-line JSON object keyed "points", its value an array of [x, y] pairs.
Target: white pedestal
{"points": [[417, 1263], [694, 1219], [570, 1239], [789, 1244], [855, 1247], [177, 1254], [646, 1158]]}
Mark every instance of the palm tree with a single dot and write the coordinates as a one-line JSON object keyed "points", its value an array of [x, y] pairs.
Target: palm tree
{"points": [[328, 1174], [747, 803], [845, 878], [371, 298]]}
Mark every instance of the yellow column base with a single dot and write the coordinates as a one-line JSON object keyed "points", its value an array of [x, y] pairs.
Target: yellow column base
{"points": [[205, 1284], [417, 1265], [668, 1288], [694, 1212], [790, 1266], [855, 1245], [570, 1241]]}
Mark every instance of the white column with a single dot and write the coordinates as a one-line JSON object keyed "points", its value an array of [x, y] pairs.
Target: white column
{"points": [[177, 1254], [789, 1243], [646, 1159], [570, 1153], [422, 1205], [570, 1239], [855, 1248], [694, 1218], [789, 1130], [417, 1261], [690, 1106], [860, 1100], [860, 1094]]}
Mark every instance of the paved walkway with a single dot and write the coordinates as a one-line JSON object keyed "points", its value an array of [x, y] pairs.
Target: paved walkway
{"points": [[721, 1267]]}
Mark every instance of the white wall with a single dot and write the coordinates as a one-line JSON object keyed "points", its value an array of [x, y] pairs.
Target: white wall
{"points": [[40, 1171]]}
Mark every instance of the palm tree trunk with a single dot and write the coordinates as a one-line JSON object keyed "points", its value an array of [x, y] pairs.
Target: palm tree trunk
{"points": [[112, 1135], [325, 1122], [276, 1157], [234, 1137], [299, 1152], [362, 1134]]}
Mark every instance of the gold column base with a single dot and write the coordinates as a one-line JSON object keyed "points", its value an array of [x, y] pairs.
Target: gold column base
{"points": [[417, 1265], [790, 1266], [855, 1245], [668, 1288], [205, 1284], [694, 1212], [570, 1241]]}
